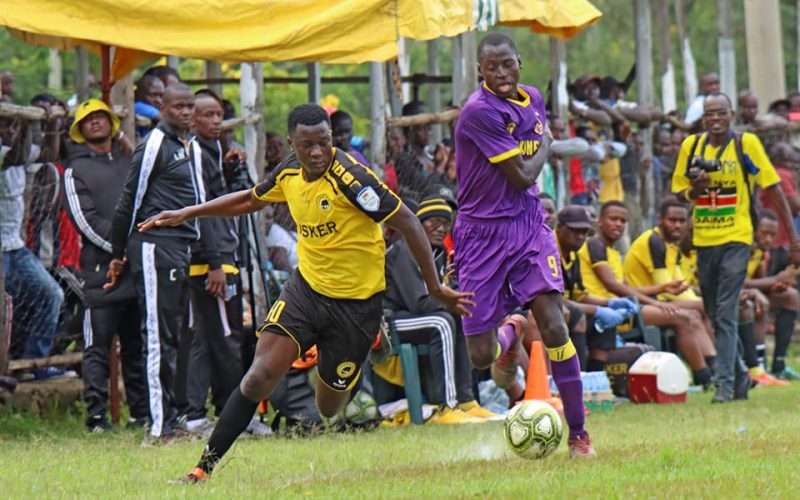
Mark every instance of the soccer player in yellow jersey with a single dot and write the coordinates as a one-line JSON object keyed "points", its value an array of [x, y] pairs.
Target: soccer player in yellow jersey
{"points": [[717, 172], [778, 293], [601, 269], [334, 299], [654, 259]]}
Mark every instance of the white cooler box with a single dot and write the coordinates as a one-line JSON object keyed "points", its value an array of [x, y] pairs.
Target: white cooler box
{"points": [[658, 377]]}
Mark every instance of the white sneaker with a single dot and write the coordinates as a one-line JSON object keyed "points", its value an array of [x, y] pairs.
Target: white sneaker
{"points": [[257, 428]]}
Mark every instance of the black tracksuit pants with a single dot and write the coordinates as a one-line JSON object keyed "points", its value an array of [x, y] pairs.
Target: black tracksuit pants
{"points": [[215, 356], [161, 270], [100, 324]]}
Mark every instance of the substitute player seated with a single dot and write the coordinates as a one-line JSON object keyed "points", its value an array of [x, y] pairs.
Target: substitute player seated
{"points": [[601, 270]]}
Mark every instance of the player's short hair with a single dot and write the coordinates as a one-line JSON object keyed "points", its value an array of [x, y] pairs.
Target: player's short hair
{"points": [[209, 93], [162, 70], [609, 204], [308, 115], [495, 40], [340, 116], [175, 88], [768, 214], [670, 202], [720, 94]]}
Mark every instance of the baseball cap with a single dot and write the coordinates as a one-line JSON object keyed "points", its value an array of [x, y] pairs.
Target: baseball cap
{"points": [[86, 108], [434, 206], [575, 217]]}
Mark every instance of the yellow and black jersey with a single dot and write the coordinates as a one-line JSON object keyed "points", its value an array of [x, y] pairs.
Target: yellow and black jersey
{"points": [[755, 263], [340, 245], [571, 274], [593, 253], [689, 268], [651, 260]]}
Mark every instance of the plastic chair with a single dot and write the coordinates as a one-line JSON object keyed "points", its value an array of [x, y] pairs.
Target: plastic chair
{"points": [[409, 359]]}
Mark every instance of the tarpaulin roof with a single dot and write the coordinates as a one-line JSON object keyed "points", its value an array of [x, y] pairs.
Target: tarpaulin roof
{"points": [[330, 31], [561, 19]]}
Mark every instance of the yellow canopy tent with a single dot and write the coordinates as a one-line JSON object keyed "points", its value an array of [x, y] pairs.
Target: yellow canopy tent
{"points": [[561, 19], [330, 31]]}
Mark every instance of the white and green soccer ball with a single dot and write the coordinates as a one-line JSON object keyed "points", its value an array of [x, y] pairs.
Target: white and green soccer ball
{"points": [[362, 408], [533, 429]]}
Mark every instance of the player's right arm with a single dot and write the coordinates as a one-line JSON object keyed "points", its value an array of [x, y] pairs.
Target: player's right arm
{"points": [[407, 224], [230, 205], [523, 173]]}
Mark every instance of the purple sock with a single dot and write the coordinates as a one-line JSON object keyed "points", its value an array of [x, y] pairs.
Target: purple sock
{"points": [[506, 337], [567, 375]]}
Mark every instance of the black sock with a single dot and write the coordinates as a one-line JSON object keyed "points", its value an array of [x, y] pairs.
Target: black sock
{"points": [[595, 365], [235, 417], [710, 361], [579, 341], [702, 376], [784, 327], [747, 335], [761, 352]]}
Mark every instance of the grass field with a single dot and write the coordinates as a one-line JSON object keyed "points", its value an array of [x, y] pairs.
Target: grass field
{"points": [[743, 450]]}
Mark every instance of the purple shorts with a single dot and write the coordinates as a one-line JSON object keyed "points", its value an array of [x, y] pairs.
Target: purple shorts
{"points": [[506, 263]]}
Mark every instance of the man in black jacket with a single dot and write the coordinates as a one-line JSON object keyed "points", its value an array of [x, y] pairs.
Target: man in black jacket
{"points": [[216, 305], [421, 320], [163, 176], [96, 171]]}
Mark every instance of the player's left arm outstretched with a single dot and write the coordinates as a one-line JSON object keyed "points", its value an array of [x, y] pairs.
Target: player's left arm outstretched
{"points": [[407, 224]]}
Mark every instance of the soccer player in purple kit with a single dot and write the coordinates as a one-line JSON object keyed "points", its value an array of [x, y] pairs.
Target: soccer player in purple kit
{"points": [[505, 253]]}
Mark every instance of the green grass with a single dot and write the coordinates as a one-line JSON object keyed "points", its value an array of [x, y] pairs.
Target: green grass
{"points": [[740, 450]]}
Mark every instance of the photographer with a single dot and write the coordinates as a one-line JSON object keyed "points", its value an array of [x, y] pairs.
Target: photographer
{"points": [[717, 172]]}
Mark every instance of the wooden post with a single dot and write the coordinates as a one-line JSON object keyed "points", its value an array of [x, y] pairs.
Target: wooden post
{"points": [[434, 95], [122, 95], [469, 54], [173, 62], [763, 30], [644, 91], [377, 89], [669, 100], [560, 101], [458, 71], [404, 67], [392, 89], [689, 66], [251, 97], [55, 77], [314, 83], [213, 70], [727, 56], [82, 73]]}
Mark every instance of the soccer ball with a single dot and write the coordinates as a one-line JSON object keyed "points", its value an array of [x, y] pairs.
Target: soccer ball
{"points": [[361, 409], [533, 429]]}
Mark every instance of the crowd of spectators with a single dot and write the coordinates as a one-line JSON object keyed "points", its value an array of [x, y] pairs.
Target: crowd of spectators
{"points": [[61, 183]]}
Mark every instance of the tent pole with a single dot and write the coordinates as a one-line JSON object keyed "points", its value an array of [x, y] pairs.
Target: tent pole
{"points": [[105, 57], [377, 93]]}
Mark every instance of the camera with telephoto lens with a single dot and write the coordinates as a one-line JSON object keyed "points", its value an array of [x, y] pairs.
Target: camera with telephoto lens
{"points": [[237, 177], [699, 164]]}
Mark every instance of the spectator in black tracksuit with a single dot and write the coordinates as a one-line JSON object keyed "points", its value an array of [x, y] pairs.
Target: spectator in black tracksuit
{"points": [[163, 176], [96, 171], [420, 319], [216, 305]]}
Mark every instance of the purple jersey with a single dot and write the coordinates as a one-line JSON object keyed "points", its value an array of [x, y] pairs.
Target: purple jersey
{"points": [[491, 129]]}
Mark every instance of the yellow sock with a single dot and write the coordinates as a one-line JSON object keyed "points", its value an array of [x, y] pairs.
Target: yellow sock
{"points": [[562, 353], [756, 371], [498, 351]]}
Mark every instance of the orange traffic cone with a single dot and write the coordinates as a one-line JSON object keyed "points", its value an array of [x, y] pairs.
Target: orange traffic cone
{"points": [[537, 386]]}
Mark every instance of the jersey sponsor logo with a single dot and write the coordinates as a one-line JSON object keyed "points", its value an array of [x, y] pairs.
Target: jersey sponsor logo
{"points": [[368, 199], [511, 127], [528, 147], [319, 230], [346, 369], [324, 203], [179, 155], [539, 128]]}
